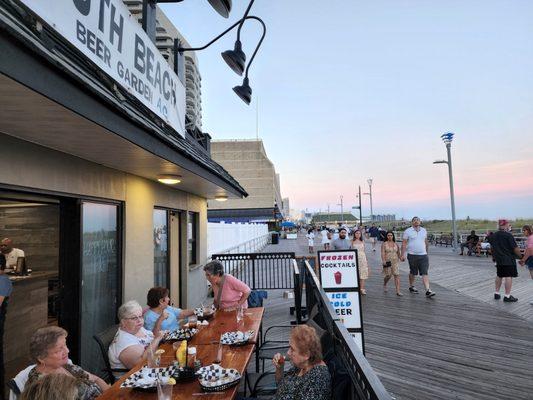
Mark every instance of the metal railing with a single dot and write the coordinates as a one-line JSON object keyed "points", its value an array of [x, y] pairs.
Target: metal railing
{"points": [[260, 270], [253, 245], [365, 384]]}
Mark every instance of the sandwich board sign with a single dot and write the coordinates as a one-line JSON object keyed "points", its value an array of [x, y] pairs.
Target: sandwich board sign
{"points": [[339, 276]]}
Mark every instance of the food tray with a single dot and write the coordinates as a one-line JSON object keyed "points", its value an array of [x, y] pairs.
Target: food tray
{"points": [[204, 313], [181, 334], [214, 378], [236, 338], [184, 374], [146, 378]]}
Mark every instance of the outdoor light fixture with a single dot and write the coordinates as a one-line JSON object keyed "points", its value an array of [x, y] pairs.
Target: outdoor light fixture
{"points": [[447, 139], [223, 7], [236, 61], [221, 198], [169, 179]]}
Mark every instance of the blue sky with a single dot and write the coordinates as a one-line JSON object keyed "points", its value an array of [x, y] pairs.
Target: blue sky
{"points": [[349, 90]]}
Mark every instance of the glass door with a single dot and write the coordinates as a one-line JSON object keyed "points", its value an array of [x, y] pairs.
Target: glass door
{"points": [[100, 278]]}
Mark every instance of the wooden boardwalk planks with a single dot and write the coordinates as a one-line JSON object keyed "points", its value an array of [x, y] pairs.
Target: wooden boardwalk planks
{"points": [[454, 346]]}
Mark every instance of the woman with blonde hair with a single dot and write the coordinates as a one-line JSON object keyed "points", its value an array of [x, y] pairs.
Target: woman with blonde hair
{"points": [[309, 378], [52, 387], [358, 243]]}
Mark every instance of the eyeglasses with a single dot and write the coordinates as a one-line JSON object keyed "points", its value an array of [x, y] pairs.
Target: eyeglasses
{"points": [[136, 318]]}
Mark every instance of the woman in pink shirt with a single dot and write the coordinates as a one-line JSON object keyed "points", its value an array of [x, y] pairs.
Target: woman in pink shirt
{"points": [[230, 293]]}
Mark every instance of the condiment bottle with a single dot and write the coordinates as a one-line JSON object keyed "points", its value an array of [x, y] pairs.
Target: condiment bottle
{"points": [[191, 357]]}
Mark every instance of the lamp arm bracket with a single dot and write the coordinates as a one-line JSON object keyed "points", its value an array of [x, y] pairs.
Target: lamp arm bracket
{"points": [[183, 49]]}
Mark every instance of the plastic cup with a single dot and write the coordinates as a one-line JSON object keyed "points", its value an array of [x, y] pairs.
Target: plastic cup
{"points": [[164, 392]]}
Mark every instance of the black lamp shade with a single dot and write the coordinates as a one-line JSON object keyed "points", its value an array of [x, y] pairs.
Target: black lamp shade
{"points": [[244, 91], [236, 59], [223, 7]]}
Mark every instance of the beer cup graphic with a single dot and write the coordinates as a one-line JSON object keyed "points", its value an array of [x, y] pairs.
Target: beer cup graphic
{"points": [[338, 278]]}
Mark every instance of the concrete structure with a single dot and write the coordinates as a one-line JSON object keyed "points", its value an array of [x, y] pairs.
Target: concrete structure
{"points": [[76, 139], [248, 162], [286, 209]]}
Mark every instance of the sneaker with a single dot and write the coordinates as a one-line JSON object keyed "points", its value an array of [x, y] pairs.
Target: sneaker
{"points": [[429, 293], [401, 294], [510, 299], [497, 296], [412, 289]]}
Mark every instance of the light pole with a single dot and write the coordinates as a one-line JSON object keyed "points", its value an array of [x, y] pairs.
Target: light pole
{"points": [[342, 208], [359, 207], [369, 181], [447, 139]]}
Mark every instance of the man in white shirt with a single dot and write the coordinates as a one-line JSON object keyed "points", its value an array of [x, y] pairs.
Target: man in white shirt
{"points": [[10, 253], [415, 242]]}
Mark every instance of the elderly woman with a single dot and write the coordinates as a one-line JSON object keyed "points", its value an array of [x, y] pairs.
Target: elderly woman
{"points": [[309, 377], [48, 349], [132, 343], [230, 293], [161, 315]]}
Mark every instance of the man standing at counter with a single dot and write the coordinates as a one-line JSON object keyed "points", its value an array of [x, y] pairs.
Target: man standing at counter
{"points": [[10, 253], [5, 291]]}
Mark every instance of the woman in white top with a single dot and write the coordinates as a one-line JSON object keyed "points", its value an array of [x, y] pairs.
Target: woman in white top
{"points": [[132, 343], [325, 239], [311, 240]]}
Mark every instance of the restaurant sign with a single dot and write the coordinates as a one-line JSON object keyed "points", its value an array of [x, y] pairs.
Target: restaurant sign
{"points": [[106, 32], [339, 277]]}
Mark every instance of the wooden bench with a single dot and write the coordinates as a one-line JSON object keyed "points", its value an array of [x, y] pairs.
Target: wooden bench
{"points": [[443, 240]]}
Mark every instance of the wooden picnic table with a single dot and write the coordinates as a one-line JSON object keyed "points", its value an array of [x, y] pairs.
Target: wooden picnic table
{"points": [[226, 321], [206, 343]]}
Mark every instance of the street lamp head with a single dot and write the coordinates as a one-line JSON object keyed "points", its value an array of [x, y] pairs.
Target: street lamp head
{"points": [[244, 91], [236, 59], [447, 137], [369, 180], [223, 7]]}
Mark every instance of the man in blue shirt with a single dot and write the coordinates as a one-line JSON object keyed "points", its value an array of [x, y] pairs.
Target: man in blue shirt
{"points": [[6, 287], [373, 232]]}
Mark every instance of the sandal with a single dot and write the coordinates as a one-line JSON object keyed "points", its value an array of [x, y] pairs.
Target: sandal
{"points": [[363, 291]]}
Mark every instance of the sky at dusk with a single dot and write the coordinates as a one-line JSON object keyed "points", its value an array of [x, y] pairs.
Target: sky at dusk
{"points": [[348, 90]]}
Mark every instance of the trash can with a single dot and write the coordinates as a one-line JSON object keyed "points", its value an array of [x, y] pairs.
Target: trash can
{"points": [[275, 238]]}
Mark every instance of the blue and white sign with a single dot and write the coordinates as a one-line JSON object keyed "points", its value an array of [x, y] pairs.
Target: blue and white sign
{"points": [[107, 34]]}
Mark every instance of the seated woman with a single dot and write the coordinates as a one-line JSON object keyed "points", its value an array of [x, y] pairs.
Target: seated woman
{"points": [[161, 315], [309, 377], [53, 387], [132, 343], [48, 348], [230, 293]]}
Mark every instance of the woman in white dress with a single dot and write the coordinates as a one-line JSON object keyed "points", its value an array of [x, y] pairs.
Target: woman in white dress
{"points": [[325, 239], [358, 243], [311, 240]]}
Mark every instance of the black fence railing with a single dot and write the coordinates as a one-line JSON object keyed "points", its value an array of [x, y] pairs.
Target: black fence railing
{"points": [[365, 384], [261, 271]]}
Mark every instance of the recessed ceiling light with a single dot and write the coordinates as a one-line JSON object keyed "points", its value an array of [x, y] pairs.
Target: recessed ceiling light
{"points": [[169, 179], [221, 198]]}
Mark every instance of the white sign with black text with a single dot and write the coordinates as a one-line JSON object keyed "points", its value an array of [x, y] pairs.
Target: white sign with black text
{"points": [[338, 269], [106, 32], [346, 306]]}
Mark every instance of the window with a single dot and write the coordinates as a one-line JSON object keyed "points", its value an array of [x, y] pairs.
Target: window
{"points": [[192, 236], [161, 259]]}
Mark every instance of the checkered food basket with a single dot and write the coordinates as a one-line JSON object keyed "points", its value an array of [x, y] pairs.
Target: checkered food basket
{"points": [[214, 378]]}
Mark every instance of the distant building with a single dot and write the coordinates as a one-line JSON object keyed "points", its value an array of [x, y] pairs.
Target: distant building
{"points": [[385, 218], [166, 32], [334, 219], [248, 162]]}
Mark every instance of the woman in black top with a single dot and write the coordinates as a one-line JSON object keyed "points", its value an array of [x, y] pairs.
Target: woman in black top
{"points": [[309, 377]]}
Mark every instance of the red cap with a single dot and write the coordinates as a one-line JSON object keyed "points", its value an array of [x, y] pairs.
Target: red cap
{"points": [[502, 222]]}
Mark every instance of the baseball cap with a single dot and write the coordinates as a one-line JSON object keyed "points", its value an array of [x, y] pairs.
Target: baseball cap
{"points": [[502, 222]]}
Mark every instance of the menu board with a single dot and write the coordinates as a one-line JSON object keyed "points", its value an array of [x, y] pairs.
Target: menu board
{"points": [[339, 276]]}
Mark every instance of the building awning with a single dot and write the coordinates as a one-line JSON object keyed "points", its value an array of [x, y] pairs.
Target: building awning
{"points": [[51, 96]]}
